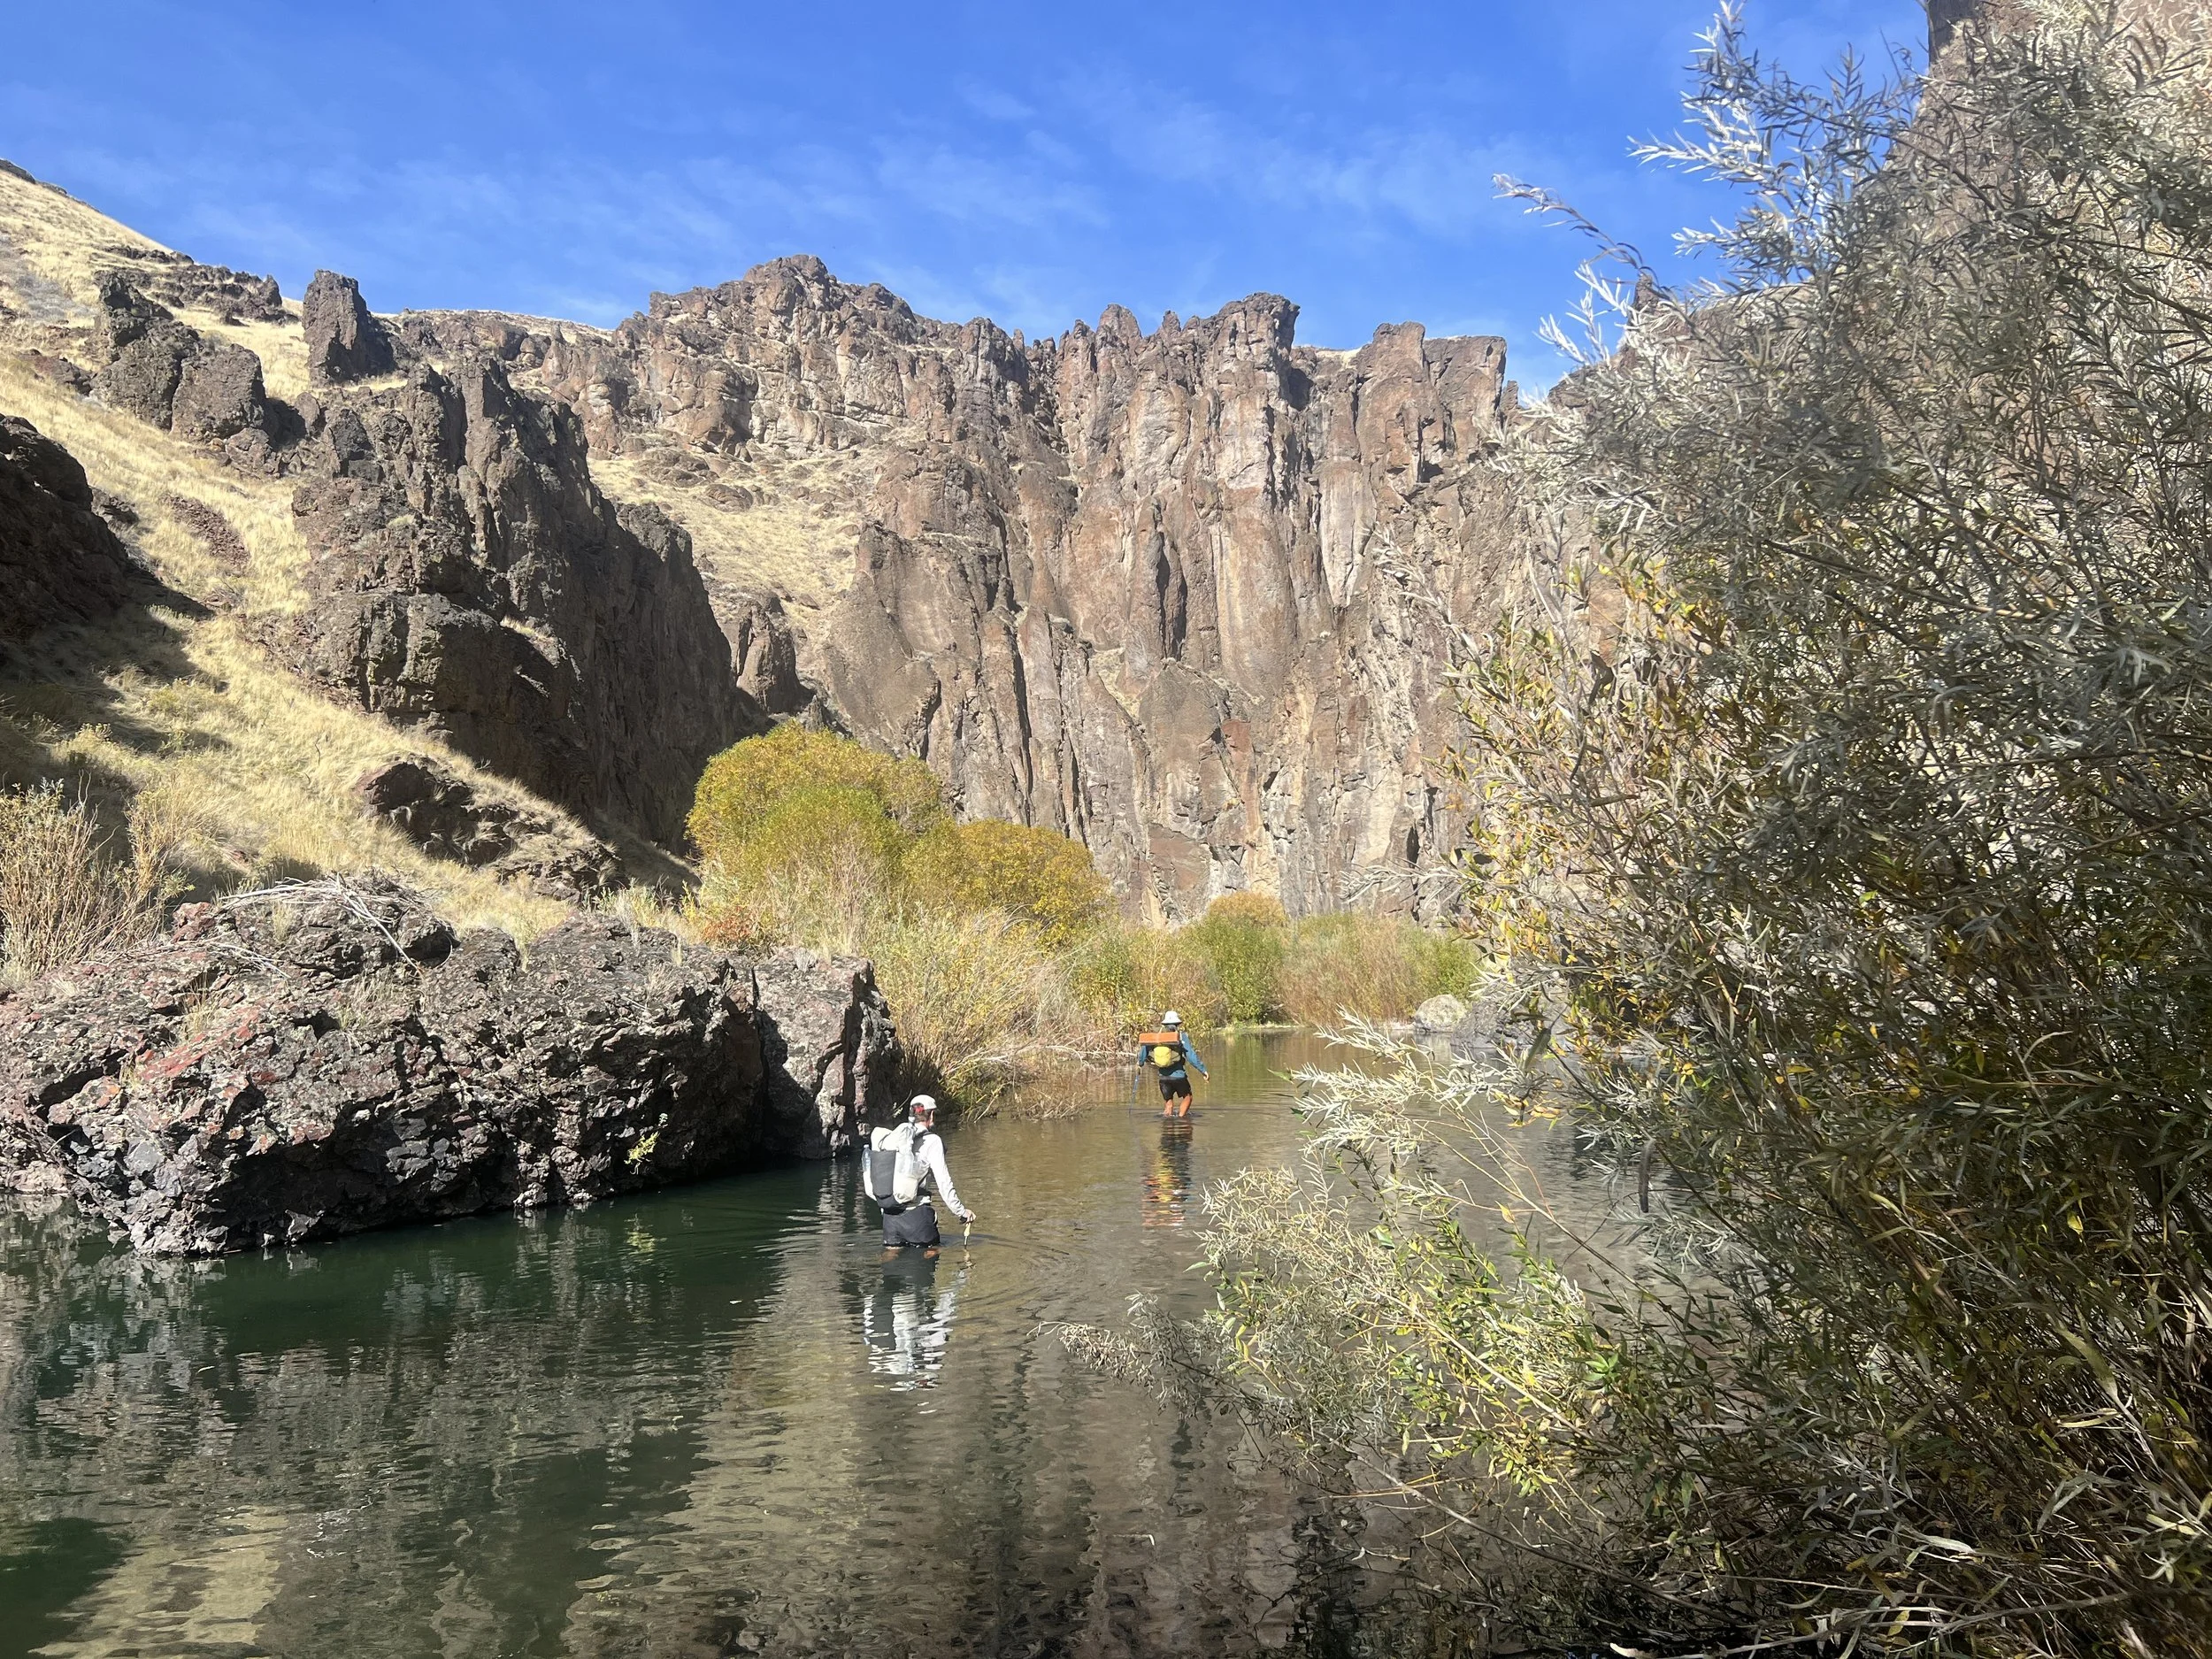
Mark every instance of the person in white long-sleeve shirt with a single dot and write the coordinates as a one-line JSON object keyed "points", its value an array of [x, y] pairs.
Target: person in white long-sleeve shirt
{"points": [[901, 1164]]}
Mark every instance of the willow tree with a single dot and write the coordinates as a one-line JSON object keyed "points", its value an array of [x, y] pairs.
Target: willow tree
{"points": [[1843, 792]]}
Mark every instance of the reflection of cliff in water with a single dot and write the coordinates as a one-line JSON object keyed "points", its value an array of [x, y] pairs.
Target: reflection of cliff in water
{"points": [[375, 1449], [703, 1422]]}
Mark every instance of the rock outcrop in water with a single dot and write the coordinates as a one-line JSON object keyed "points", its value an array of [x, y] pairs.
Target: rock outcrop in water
{"points": [[1189, 596], [337, 1058]]}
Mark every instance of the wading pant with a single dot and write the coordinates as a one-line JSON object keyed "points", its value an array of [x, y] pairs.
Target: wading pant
{"points": [[917, 1224]]}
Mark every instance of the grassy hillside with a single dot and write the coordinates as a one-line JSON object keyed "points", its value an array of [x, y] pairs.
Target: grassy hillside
{"points": [[182, 704]]}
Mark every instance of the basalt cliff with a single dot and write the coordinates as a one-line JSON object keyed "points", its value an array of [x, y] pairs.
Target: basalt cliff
{"points": [[1189, 597]]}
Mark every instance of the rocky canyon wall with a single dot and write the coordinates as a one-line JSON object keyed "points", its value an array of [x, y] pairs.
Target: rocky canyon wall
{"points": [[1189, 597]]}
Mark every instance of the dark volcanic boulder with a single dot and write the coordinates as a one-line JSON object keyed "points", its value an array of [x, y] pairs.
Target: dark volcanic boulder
{"points": [[219, 393], [344, 341], [232, 294], [59, 562], [449, 818], [830, 1044], [337, 1058], [764, 653], [141, 377], [169, 375]]}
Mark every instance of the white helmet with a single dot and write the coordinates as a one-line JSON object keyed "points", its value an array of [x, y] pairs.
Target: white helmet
{"points": [[1171, 1019], [921, 1104]]}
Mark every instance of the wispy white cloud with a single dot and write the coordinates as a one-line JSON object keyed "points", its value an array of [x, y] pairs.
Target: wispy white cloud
{"points": [[994, 103]]}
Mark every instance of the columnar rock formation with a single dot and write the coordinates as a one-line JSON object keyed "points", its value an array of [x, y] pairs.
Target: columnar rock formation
{"points": [[344, 342], [1189, 596]]}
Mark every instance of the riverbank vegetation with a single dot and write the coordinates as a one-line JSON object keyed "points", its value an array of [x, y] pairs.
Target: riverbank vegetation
{"points": [[67, 889], [1844, 792], [998, 944]]}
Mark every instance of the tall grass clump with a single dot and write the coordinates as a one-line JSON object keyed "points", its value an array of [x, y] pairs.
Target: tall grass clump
{"points": [[1323, 969], [1125, 977], [981, 998], [1843, 790], [68, 889]]}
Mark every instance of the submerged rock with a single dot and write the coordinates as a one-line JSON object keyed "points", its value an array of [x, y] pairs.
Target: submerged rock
{"points": [[1441, 1012], [330, 1058]]}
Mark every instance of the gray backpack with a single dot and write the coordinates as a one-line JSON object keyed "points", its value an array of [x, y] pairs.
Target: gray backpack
{"points": [[890, 1173]]}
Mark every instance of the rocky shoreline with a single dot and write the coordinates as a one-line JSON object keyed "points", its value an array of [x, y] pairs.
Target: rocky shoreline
{"points": [[328, 1057]]}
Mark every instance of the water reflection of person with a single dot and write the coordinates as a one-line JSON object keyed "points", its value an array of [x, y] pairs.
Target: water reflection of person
{"points": [[907, 1321], [1167, 1183]]}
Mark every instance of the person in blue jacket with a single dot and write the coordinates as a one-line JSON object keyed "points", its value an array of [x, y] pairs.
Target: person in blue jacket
{"points": [[1168, 1052]]}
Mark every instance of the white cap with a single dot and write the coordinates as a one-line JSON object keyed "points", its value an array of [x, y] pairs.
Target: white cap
{"points": [[1170, 1018], [921, 1104]]}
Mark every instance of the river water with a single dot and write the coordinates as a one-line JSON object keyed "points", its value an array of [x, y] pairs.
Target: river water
{"points": [[708, 1421]]}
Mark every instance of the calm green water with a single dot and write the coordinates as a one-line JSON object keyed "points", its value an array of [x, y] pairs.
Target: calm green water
{"points": [[709, 1421]]}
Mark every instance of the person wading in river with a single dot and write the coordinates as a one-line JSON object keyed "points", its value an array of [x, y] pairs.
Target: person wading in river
{"points": [[898, 1162], [1168, 1052]]}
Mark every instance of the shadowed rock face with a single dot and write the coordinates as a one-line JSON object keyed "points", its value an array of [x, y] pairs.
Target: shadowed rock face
{"points": [[355, 1064], [470, 580], [1188, 596], [59, 562]]}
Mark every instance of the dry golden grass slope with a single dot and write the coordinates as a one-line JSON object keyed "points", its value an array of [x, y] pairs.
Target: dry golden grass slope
{"points": [[182, 704], [794, 539], [53, 248], [784, 523]]}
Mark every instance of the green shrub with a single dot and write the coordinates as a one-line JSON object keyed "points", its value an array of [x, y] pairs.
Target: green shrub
{"points": [[1843, 821], [822, 826], [743, 785], [1242, 939], [1249, 910], [1445, 964], [1036, 875]]}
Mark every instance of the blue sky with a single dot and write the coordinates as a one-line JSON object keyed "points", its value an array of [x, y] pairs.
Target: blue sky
{"points": [[1033, 163]]}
